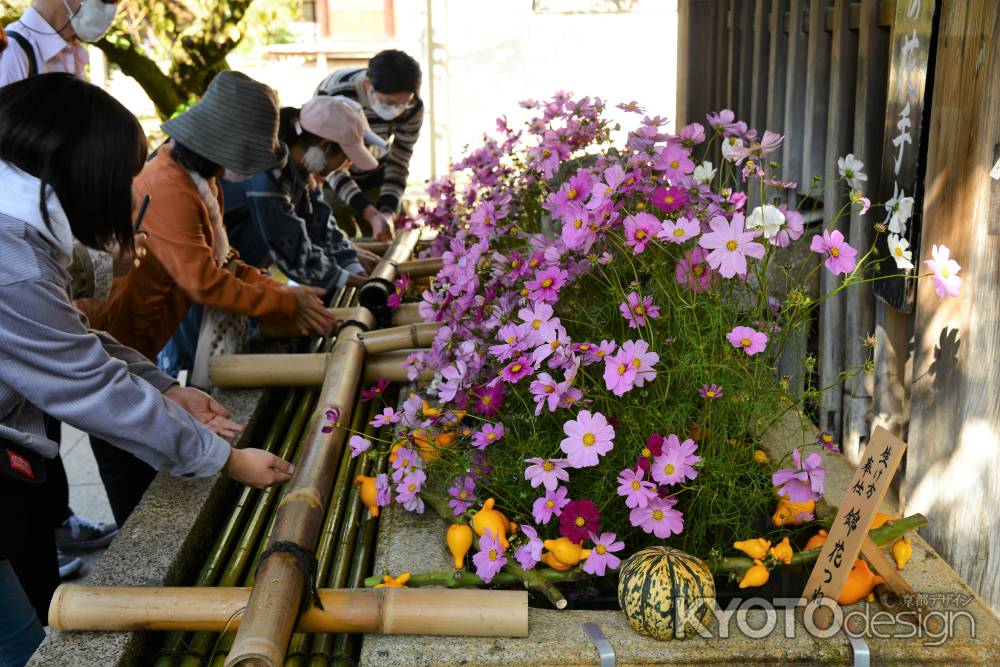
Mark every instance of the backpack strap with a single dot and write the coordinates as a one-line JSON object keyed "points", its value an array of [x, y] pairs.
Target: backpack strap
{"points": [[28, 51]]}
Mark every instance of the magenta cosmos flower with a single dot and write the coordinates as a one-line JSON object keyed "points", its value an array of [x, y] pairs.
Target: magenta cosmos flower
{"points": [[730, 245], [694, 272], [487, 400], [710, 391], [358, 445], [636, 309], [804, 481], [487, 435], [680, 231], [490, 558], [546, 472], [749, 340], [840, 257], [579, 519], [640, 229], [636, 490], [658, 517], [374, 392], [590, 436], [669, 199], [462, 494], [549, 505], [529, 554], [674, 161], [676, 462], [602, 556], [945, 279], [546, 284], [517, 369]]}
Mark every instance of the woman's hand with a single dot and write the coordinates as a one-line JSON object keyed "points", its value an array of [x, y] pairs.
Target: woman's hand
{"points": [[368, 259], [257, 468], [311, 316], [381, 229], [205, 409]]}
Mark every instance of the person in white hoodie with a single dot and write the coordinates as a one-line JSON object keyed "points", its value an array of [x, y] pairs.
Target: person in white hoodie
{"points": [[68, 154]]}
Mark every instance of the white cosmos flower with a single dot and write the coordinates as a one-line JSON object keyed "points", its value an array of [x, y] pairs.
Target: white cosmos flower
{"points": [[898, 210], [850, 168], [767, 218], [729, 146], [899, 248], [704, 172]]}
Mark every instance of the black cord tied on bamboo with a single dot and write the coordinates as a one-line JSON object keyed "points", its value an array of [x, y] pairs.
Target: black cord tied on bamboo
{"points": [[305, 559]]}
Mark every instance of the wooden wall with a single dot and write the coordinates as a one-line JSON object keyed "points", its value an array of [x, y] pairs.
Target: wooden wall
{"points": [[817, 72]]}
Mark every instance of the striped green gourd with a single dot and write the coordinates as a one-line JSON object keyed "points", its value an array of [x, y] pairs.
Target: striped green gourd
{"points": [[659, 589]]}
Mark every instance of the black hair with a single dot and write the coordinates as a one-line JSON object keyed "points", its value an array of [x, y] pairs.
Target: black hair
{"points": [[393, 71], [192, 161], [80, 142]]}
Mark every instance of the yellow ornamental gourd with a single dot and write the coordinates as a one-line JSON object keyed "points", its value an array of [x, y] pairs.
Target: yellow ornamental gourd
{"points": [[816, 541], [860, 583], [901, 551], [754, 548], [459, 539], [756, 575], [782, 552], [793, 514], [490, 519], [665, 592], [551, 561], [880, 518], [368, 493], [565, 552]]}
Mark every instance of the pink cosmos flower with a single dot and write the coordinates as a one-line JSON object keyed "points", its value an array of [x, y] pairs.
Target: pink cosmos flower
{"points": [[549, 505], [694, 272], [640, 229], [680, 231], [396, 298], [383, 490], [546, 472], [546, 284], [462, 494], [710, 391], [529, 554], [749, 340], [409, 488], [386, 417], [724, 121], [945, 279], [406, 461], [545, 391], [619, 373], [674, 161], [373, 392], [602, 556], [637, 491], [487, 400], [590, 436], [517, 369], [579, 519], [730, 245], [669, 199], [487, 435], [804, 481], [658, 517], [791, 230], [676, 462], [641, 359], [359, 445], [637, 309], [841, 258], [756, 150], [490, 558], [513, 342], [579, 231]]}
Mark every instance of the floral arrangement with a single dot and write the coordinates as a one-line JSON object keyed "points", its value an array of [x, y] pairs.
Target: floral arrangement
{"points": [[613, 311]]}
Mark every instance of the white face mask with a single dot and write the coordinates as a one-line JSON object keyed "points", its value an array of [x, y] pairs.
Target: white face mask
{"points": [[234, 177], [93, 20], [385, 111], [314, 160]]}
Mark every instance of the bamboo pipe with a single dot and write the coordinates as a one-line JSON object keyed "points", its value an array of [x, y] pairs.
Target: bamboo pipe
{"points": [[392, 366], [374, 294], [398, 338], [407, 313], [377, 247], [399, 611], [274, 601], [420, 268], [243, 371]]}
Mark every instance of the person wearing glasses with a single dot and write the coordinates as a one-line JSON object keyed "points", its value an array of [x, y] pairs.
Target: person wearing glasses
{"points": [[389, 92]]}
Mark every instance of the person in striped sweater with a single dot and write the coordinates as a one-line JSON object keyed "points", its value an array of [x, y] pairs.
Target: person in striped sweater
{"points": [[388, 89]]}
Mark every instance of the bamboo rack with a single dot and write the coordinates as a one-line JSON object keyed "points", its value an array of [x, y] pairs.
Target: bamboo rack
{"points": [[467, 612]]}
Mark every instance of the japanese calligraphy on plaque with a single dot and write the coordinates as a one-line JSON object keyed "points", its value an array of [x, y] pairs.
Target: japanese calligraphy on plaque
{"points": [[854, 516], [902, 172]]}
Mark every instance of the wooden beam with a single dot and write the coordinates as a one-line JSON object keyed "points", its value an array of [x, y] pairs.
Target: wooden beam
{"points": [[795, 93], [777, 63], [761, 83], [817, 96]]}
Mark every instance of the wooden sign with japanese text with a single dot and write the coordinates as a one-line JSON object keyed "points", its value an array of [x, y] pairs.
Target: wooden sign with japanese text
{"points": [[854, 516], [903, 151]]}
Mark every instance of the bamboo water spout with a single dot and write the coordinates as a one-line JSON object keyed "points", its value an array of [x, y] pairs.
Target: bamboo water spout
{"points": [[277, 593], [374, 294], [470, 612]]}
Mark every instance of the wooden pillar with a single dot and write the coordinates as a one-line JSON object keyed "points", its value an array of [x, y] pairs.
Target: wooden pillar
{"points": [[953, 466], [795, 94], [696, 58]]}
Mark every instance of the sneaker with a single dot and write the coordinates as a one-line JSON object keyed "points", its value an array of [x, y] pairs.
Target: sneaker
{"points": [[80, 534], [68, 565]]}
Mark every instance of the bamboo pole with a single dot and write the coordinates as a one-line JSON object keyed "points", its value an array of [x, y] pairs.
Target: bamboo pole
{"points": [[276, 596], [244, 371], [287, 329], [407, 313], [398, 338], [377, 247], [458, 613], [374, 294], [392, 366], [420, 268]]}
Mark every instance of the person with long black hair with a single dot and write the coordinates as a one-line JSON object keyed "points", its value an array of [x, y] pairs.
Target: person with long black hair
{"points": [[68, 156]]}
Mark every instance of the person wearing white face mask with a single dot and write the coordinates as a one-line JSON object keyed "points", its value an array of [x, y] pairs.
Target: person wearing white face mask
{"points": [[388, 91]]}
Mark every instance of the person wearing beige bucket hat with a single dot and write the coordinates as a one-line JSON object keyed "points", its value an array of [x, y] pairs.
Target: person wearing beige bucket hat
{"points": [[233, 129]]}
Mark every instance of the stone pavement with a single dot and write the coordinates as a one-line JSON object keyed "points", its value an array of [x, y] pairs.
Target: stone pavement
{"points": [[86, 492]]}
